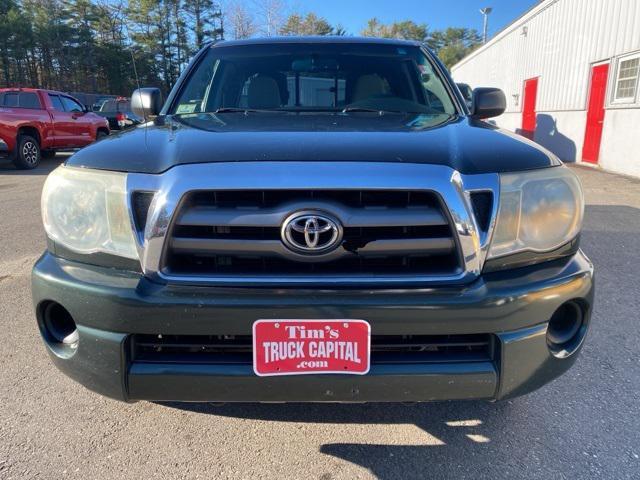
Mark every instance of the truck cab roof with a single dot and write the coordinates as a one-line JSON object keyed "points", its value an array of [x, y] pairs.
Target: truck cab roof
{"points": [[325, 39]]}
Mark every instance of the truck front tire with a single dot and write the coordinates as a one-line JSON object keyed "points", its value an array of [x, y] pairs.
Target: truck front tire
{"points": [[27, 155]]}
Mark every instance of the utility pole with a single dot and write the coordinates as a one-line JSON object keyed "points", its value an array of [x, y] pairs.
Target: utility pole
{"points": [[485, 14]]}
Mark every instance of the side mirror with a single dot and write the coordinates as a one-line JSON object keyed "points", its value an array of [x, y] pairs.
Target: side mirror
{"points": [[146, 102], [487, 103]]}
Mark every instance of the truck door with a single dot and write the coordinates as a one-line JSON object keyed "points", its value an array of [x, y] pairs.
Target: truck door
{"points": [[80, 125], [62, 123]]}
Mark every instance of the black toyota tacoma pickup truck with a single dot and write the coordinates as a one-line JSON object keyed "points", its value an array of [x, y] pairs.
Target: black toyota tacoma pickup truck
{"points": [[313, 219]]}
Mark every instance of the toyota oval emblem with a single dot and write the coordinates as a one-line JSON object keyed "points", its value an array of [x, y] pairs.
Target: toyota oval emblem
{"points": [[311, 232]]}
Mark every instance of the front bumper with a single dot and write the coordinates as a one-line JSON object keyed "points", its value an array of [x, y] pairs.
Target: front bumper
{"points": [[110, 305]]}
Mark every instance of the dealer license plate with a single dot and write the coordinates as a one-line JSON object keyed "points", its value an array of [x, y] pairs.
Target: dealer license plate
{"points": [[299, 347]]}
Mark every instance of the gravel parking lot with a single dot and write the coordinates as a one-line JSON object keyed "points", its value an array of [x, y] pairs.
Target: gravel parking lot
{"points": [[584, 425]]}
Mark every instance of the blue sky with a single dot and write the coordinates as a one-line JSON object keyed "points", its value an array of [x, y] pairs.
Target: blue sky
{"points": [[353, 14]]}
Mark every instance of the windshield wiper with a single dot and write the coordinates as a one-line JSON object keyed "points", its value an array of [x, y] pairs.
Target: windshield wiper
{"points": [[240, 110], [379, 111], [361, 109]]}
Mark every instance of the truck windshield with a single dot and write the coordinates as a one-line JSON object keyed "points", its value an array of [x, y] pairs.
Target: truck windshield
{"points": [[339, 77], [115, 106]]}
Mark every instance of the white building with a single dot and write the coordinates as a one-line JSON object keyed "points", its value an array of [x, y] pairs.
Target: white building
{"points": [[569, 70]]}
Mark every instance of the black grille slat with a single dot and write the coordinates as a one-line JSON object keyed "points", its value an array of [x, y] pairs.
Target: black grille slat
{"points": [[273, 233], [350, 198], [355, 265], [220, 246], [238, 233], [272, 217], [212, 349], [400, 246]]}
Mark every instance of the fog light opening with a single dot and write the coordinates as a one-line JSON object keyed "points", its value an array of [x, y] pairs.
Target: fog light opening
{"points": [[58, 329], [566, 329]]}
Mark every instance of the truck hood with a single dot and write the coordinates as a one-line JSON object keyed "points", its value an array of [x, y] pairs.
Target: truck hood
{"points": [[466, 145]]}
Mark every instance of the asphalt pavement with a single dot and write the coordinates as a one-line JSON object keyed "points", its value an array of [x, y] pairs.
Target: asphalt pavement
{"points": [[584, 425]]}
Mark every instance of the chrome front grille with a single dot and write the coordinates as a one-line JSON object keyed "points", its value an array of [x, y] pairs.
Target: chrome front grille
{"points": [[238, 233], [403, 224]]}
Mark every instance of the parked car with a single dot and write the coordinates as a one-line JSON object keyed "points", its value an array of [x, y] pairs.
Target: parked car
{"points": [[36, 123], [303, 223], [90, 100], [118, 112], [97, 105]]}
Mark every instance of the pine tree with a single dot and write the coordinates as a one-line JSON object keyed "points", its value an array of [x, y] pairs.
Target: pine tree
{"points": [[206, 20], [311, 24]]}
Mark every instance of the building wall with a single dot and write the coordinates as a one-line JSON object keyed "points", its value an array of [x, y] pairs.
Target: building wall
{"points": [[620, 150], [558, 41]]}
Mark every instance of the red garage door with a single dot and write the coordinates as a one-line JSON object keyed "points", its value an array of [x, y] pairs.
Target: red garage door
{"points": [[529, 108], [595, 113]]}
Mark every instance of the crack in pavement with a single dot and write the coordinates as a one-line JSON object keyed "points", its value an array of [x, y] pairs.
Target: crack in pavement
{"points": [[17, 268]]}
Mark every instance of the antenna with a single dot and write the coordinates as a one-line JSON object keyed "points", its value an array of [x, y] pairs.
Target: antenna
{"points": [[133, 58], [135, 70], [135, 74]]}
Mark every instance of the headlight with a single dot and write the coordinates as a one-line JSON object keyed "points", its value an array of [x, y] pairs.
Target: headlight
{"points": [[86, 211], [539, 211]]}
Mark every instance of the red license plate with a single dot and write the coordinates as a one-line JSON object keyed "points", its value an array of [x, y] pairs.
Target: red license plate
{"points": [[299, 347]]}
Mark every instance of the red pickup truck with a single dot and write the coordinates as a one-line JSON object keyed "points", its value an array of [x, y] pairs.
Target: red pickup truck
{"points": [[35, 123]]}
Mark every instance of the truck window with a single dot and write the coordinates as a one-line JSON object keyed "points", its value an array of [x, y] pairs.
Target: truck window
{"points": [[114, 106], [70, 105], [29, 100], [11, 99], [20, 100], [56, 102], [108, 106]]}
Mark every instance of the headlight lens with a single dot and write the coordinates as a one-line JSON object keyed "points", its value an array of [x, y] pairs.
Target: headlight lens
{"points": [[539, 211], [86, 211]]}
